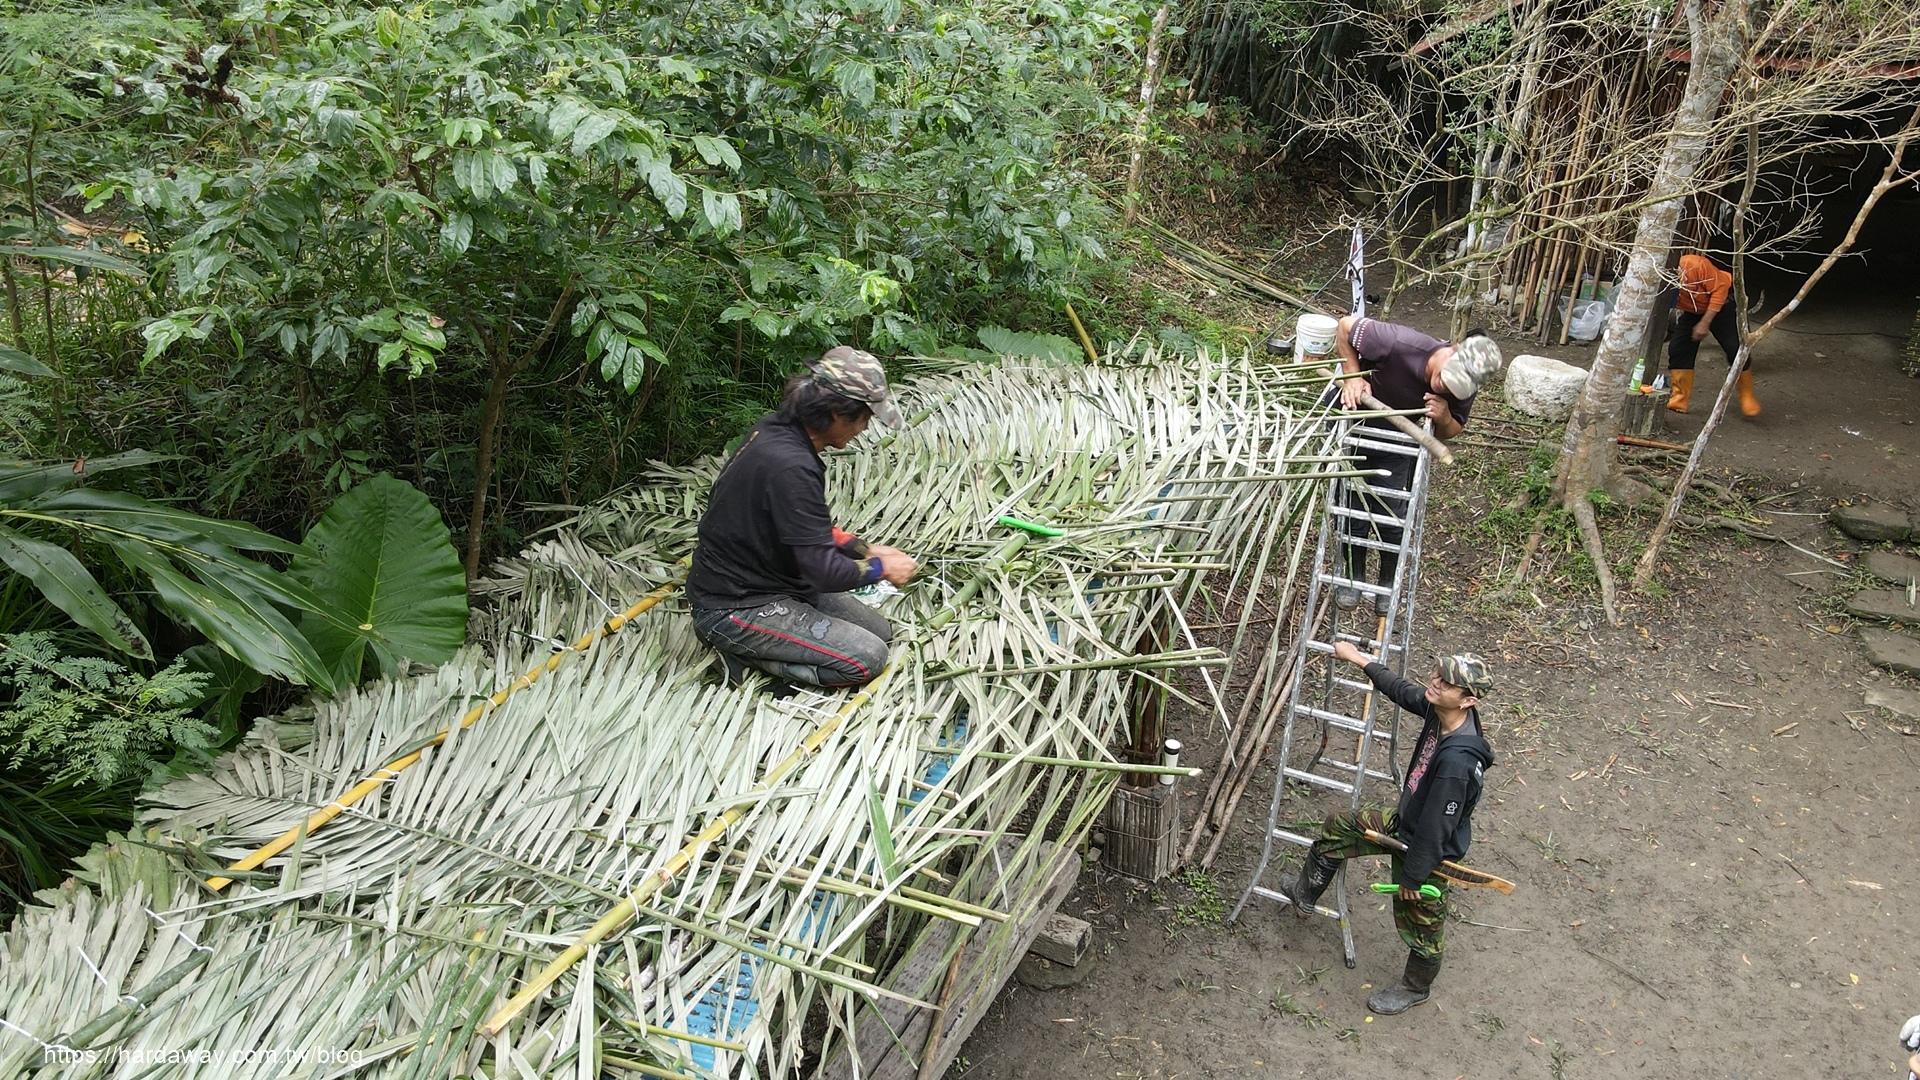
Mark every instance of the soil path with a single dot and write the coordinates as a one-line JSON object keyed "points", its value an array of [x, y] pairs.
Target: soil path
{"points": [[1713, 836]]}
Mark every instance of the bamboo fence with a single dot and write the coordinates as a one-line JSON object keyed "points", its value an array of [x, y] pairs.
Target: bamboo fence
{"points": [[618, 866]]}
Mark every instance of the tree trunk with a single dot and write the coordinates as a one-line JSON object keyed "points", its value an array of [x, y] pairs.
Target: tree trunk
{"points": [[1149, 86], [1890, 178], [1719, 42], [483, 461]]}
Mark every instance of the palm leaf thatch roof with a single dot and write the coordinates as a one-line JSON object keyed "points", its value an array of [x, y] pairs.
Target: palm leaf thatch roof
{"points": [[736, 876]]}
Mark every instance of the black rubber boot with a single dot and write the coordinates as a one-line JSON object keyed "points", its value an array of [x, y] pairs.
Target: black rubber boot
{"points": [[1316, 873], [1415, 987]]}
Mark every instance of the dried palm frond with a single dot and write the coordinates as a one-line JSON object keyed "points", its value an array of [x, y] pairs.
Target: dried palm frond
{"points": [[715, 869]]}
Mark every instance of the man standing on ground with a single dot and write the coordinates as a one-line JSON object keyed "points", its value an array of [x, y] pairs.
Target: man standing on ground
{"points": [[1703, 310], [770, 576], [1434, 818], [1404, 369]]}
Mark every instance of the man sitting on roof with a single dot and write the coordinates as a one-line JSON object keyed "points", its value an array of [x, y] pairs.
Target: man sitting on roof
{"points": [[771, 573]]}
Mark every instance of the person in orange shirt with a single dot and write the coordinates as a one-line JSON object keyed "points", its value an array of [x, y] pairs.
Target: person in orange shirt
{"points": [[1703, 310]]}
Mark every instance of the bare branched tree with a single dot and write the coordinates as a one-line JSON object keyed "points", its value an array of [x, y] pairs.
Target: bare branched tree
{"points": [[1521, 152]]}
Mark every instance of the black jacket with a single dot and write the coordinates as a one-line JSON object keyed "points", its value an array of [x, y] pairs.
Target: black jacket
{"points": [[767, 534], [1436, 810]]}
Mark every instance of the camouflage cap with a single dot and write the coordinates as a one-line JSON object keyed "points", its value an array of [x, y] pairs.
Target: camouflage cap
{"points": [[1473, 362], [1468, 672], [851, 373]]}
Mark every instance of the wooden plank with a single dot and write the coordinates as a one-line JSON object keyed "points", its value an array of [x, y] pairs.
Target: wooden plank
{"points": [[889, 1034]]}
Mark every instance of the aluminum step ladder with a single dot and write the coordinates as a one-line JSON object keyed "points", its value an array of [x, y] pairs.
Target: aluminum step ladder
{"points": [[1333, 710]]}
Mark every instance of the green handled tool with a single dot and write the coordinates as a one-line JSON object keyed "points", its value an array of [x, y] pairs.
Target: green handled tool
{"points": [[1038, 530], [1429, 891]]}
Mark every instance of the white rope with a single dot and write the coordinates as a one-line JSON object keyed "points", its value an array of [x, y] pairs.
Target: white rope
{"points": [[95, 968], [181, 934], [45, 1047]]}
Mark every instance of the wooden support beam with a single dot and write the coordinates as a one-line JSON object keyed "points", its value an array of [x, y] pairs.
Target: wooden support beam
{"points": [[890, 1035]]}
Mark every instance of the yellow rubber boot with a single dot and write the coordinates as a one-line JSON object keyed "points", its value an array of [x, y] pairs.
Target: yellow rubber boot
{"points": [[1749, 405], [1682, 380]]}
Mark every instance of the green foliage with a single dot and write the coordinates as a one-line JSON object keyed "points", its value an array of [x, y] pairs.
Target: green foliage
{"points": [[21, 424], [44, 825], [381, 563], [192, 563], [349, 225], [1206, 908], [84, 718], [1037, 346]]}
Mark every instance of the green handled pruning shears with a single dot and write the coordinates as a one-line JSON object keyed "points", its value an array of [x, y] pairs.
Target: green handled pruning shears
{"points": [[1431, 892]]}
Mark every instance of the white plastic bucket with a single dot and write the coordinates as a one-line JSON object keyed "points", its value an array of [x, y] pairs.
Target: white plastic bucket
{"points": [[1313, 336]]}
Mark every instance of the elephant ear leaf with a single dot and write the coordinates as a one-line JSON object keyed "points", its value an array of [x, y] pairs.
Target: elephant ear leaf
{"points": [[384, 568]]}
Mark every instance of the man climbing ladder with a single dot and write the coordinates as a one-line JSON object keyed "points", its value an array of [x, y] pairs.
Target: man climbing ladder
{"points": [[1404, 369]]}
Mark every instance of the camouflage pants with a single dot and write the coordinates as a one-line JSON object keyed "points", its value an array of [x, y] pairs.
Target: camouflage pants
{"points": [[1422, 923]]}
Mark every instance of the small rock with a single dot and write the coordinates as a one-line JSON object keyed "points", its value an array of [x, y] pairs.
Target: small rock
{"points": [[1902, 570], [1887, 605], [1039, 973], [1626, 491], [1903, 702], [1544, 387], [1872, 522], [1895, 652]]}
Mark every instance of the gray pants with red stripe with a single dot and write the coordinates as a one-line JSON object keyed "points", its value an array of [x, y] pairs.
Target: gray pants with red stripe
{"points": [[837, 641]]}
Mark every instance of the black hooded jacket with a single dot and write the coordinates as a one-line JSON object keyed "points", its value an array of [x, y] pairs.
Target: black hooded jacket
{"points": [[1436, 811]]}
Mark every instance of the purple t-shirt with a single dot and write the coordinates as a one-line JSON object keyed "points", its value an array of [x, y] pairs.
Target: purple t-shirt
{"points": [[1395, 360]]}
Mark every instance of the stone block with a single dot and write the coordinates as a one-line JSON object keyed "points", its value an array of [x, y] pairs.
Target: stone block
{"points": [[1886, 605], [1544, 387], [1872, 522], [1890, 650], [1063, 939], [1900, 702], [1902, 570]]}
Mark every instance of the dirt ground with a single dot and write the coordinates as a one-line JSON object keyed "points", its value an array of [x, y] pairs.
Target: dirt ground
{"points": [[1713, 836]]}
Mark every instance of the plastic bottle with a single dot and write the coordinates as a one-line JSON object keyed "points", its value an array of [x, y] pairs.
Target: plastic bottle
{"points": [[1639, 372]]}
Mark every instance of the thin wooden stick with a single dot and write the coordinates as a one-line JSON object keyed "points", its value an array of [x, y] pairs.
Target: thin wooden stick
{"points": [[936, 1024]]}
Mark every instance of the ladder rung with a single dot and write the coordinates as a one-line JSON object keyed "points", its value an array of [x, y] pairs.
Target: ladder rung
{"points": [[1362, 515], [1291, 837], [1372, 441], [1396, 494], [1323, 781], [1381, 431], [1376, 545], [1348, 766], [1359, 639], [1339, 720], [1262, 890], [1367, 587]]}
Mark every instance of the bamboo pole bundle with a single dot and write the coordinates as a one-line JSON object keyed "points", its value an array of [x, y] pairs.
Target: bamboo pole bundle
{"points": [[620, 862]]}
